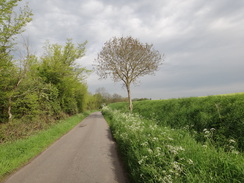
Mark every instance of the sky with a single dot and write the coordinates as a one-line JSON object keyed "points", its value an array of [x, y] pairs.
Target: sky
{"points": [[202, 41]]}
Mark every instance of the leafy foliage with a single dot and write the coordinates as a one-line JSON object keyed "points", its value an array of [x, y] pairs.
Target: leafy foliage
{"points": [[59, 69], [35, 91], [11, 24]]}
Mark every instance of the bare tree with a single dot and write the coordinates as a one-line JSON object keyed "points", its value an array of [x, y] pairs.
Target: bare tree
{"points": [[126, 59]]}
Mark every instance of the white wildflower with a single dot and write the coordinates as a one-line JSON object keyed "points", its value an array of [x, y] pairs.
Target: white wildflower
{"points": [[180, 148], [154, 139], [157, 155], [140, 161], [235, 152], [144, 144], [168, 179], [190, 161], [175, 149], [177, 167], [158, 149], [232, 141], [149, 150], [212, 129]]}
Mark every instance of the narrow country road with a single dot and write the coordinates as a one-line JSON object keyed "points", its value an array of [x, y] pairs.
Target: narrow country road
{"points": [[87, 154]]}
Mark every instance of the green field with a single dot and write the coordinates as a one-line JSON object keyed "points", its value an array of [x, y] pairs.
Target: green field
{"points": [[181, 140]]}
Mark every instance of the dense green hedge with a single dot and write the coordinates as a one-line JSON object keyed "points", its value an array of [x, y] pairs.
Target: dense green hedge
{"points": [[224, 115]]}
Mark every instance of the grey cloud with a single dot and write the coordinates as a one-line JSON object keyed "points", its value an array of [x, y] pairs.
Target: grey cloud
{"points": [[202, 40]]}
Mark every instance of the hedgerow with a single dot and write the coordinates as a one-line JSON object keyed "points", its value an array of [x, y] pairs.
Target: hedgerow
{"points": [[153, 153], [224, 115]]}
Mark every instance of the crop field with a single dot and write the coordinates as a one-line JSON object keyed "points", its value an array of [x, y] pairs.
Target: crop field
{"points": [[181, 140]]}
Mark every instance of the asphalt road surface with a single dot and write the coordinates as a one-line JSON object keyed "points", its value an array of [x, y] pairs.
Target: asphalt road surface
{"points": [[87, 154]]}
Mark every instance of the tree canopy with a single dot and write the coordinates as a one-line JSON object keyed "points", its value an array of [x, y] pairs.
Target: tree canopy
{"points": [[126, 59], [58, 68]]}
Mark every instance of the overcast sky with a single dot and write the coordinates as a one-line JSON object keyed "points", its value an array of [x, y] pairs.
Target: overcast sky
{"points": [[203, 41]]}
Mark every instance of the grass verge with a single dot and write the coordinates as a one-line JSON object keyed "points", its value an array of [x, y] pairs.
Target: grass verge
{"points": [[16, 154]]}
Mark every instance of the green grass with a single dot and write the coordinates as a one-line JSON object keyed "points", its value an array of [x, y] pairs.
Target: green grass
{"points": [[223, 113], [154, 153], [16, 154]]}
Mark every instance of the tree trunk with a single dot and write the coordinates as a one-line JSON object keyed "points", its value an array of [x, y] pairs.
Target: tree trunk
{"points": [[10, 116], [9, 109], [129, 97]]}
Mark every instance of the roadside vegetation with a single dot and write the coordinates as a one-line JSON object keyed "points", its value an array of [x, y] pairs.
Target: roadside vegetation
{"points": [[181, 140], [223, 114], [37, 91], [32, 88], [17, 153]]}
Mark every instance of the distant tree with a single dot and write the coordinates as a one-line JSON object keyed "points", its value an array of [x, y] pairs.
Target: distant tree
{"points": [[140, 99], [117, 98], [126, 59], [106, 97]]}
